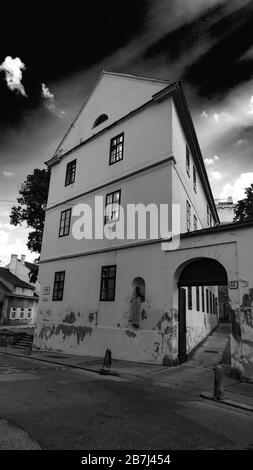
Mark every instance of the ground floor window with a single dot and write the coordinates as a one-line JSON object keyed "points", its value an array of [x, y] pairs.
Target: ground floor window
{"points": [[59, 279], [13, 313], [108, 282]]}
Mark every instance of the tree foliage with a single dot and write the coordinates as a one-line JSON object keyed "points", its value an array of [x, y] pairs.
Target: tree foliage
{"points": [[31, 206], [244, 207]]}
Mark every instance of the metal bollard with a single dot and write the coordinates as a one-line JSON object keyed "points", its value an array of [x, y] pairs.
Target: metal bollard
{"points": [[107, 362], [218, 392]]}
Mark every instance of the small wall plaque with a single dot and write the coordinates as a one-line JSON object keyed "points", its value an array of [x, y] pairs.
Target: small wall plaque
{"points": [[233, 284], [46, 290]]}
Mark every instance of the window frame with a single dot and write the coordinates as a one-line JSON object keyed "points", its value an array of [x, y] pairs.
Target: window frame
{"points": [[118, 191], [194, 179], [56, 282], [188, 215], [65, 227], [188, 161], [108, 277], [195, 222], [67, 183], [112, 147]]}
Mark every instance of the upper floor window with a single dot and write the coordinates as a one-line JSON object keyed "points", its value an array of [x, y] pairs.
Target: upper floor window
{"points": [[108, 281], [112, 206], [208, 214], [102, 118], [187, 160], [70, 173], [188, 216], [195, 222], [59, 279], [65, 223], [194, 179], [116, 149]]}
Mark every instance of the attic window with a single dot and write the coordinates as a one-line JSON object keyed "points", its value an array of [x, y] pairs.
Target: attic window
{"points": [[100, 119]]}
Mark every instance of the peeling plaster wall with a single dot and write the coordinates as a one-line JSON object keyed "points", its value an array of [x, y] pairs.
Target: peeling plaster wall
{"points": [[81, 324]]}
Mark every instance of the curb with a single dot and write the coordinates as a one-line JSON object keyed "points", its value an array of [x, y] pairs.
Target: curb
{"points": [[60, 363], [227, 401]]}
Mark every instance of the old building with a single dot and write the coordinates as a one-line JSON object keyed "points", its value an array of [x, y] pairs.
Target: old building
{"points": [[225, 209], [133, 142], [18, 300], [23, 269]]}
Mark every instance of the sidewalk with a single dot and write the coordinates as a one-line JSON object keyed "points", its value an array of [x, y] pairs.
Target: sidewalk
{"points": [[195, 376]]}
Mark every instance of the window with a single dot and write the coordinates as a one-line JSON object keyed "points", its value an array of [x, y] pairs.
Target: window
{"points": [[189, 298], [187, 161], [112, 206], [70, 173], [188, 216], [21, 313], [65, 223], [208, 215], [195, 222], [29, 313], [203, 298], [108, 280], [59, 278], [207, 301], [194, 179], [116, 149], [102, 118], [211, 302], [13, 313], [197, 299]]}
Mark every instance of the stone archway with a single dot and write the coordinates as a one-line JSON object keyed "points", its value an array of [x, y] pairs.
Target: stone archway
{"points": [[198, 281]]}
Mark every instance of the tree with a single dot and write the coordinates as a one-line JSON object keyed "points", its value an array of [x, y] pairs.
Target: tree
{"points": [[244, 207], [31, 208]]}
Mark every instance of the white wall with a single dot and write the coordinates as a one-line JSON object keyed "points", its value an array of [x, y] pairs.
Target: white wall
{"points": [[182, 184]]}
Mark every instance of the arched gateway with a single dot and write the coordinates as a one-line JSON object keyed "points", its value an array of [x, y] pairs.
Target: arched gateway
{"points": [[198, 301]]}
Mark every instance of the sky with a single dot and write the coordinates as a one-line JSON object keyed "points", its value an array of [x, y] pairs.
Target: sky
{"points": [[50, 57]]}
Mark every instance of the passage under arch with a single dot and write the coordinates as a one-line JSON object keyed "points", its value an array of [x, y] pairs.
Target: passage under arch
{"points": [[203, 272]]}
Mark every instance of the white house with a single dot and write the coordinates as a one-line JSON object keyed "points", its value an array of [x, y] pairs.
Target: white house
{"points": [[132, 142]]}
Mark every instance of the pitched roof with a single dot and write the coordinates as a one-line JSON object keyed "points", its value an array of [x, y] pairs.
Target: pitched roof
{"points": [[6, 275], [32, 266]]}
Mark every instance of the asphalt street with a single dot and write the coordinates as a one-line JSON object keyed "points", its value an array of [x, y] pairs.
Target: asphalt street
{"points": [[46, 406]]}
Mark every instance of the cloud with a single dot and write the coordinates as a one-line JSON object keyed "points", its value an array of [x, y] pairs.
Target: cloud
{"points": [[13, 74], [7, 174], [49, 101], [211, 161], [236, 190], [13, 241], [46, 93], [215, 176]]}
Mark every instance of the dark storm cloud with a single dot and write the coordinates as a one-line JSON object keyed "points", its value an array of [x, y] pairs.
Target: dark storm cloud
{"points": [[55, 41], [206, 50]]}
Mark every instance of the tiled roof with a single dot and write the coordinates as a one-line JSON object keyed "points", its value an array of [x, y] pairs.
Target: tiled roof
{"points": [[6, 275]]}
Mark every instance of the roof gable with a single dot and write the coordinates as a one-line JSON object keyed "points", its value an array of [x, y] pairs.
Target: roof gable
{"points": [[114, 95], [9, 280]]}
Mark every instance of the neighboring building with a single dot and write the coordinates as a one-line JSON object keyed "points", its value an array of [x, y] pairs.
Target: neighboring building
{"points": [[133, 142], [226, 210], [22, 269], [18, 300]]}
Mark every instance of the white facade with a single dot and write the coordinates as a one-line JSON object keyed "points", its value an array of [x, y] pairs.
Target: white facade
{"points": [[158, 133]]}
